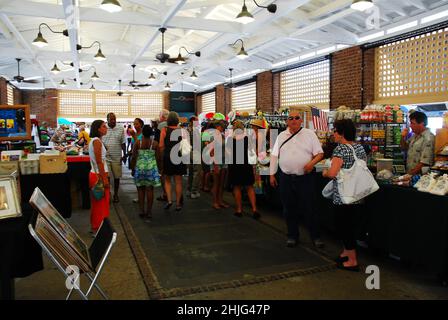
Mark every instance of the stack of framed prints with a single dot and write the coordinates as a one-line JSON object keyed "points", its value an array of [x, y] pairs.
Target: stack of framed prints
{"points": [[9, 198], [58, 236]]}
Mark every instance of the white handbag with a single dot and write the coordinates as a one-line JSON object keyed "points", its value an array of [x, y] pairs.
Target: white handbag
{"points": [[357, 182], [185, 147]]}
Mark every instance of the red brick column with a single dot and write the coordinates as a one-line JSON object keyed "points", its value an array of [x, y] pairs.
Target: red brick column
{"points": [[264, 91], [346, 78], [220, 92], [3, 91], [276, 91], [43, 106]]}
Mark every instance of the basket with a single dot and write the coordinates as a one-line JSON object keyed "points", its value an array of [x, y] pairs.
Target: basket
{"points": [[29, 166], [53, 163]]}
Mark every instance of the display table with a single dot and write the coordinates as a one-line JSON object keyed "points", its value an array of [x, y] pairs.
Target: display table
{"points": [[401, 221], [78, 172], [20, 255], [56, 188]]}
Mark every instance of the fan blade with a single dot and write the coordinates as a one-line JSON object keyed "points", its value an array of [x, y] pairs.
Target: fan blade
{"points": [[144, 85], [31, 81]]}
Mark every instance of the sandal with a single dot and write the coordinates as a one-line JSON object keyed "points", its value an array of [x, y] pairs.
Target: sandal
{"points": [[168, 205], [161, 198], [116, 199], [238, 214], [225, 206]]}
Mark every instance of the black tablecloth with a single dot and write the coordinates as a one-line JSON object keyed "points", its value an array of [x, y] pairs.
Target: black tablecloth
{"points": [[78, 173], [401, 221], [20, 254], [56, 187]]}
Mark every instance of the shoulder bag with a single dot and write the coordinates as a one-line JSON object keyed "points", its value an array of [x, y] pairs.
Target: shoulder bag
{"points": [[357, 182]]}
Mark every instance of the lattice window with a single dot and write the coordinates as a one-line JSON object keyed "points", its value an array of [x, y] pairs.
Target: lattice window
{"points": [[209, 102], [307, 85], [244, 98], [147, 104], [75, 103], [106, 102], [82, 104], [10, 95], [413, 70]]}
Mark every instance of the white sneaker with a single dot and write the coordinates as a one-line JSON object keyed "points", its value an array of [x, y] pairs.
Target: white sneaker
{"points": [[195, 195]]}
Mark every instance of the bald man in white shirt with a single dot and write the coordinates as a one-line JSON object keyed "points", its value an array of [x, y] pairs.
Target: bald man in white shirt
{"points": [[296, 151]]}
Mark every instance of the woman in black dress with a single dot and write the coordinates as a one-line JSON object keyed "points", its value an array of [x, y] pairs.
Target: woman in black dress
{"points": [[241, 172], [169, 168]]}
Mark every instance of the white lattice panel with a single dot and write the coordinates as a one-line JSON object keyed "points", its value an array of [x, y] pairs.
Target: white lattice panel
{"points": [[147, 104], [10, 95], [209, 102], [75, 103], [413, 70], [307, 85], [107, 102], [244, 98]]}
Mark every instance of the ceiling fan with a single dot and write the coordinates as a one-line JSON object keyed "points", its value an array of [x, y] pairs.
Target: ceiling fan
{"points": [[18, 78], [121, 93], [164, 57], [230, 84], [134, 83]]}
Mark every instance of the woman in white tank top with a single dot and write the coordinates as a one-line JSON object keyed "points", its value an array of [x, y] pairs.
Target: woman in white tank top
{"points": [[97, 152]]}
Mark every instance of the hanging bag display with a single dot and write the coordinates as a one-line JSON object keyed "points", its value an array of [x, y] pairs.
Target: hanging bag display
{"points": [[357, 182]]}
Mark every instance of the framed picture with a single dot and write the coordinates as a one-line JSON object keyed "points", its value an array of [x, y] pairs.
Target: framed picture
{"points": [[15, 122], [9, 198], [60, 225]]}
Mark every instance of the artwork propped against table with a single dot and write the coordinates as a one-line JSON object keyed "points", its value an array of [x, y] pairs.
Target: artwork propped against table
{"points": [[64, 235], [15, 122], [9, 198]]}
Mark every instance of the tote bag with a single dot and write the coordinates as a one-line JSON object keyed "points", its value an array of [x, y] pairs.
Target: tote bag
{"points": [[357, 182]]}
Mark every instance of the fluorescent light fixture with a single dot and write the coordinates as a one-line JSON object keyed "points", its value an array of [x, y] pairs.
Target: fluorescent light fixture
{"points": [[278, 64], [291, 60], [434, 16], [326, 50], [402, 27], [371, 36], [191, 84], [341, 46], [308, 55]]}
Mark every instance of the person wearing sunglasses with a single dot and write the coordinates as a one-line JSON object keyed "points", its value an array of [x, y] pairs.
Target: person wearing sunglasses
{"points": [[296, 151]]}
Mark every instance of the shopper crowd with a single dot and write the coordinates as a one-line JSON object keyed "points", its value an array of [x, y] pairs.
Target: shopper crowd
{"points": [[223, 154]]}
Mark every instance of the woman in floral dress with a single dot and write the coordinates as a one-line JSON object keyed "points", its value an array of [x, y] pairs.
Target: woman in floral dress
{"points": [[144, 170]]}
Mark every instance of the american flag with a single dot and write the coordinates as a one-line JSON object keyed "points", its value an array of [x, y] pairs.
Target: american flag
{"points": [[320, 119]]}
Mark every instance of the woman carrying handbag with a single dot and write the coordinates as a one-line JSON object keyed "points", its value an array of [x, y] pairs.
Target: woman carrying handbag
{"points": [[98, 176], [344, 157]]}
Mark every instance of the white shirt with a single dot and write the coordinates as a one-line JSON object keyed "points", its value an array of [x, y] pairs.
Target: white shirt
{"points": [[93, 163], [298, 151]]}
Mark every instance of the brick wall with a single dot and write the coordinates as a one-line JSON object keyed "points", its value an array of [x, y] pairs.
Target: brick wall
{"points": [[220, 91], [276, 91], [228, 101], [166, 100], [264, 91], [369, 76], [347, 76], [44, 107], [17, 96], [198, 104], [3, 91]]}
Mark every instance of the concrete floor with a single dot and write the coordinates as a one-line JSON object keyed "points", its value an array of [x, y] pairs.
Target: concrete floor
{"points": [[125, 276]]}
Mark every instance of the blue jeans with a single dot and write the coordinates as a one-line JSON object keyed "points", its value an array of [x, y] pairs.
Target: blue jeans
{"points": [[297, 194]]}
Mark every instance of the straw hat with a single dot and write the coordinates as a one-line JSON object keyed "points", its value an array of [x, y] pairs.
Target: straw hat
{"points": [[258, 123]]}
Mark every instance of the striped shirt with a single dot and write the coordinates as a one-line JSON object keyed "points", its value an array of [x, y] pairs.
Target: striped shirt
{"points": [[113, 140]]}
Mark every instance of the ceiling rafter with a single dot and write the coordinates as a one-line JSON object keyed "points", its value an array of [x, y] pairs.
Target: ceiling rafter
{"points": [[18, 36], [35, 9], [72, 25]]}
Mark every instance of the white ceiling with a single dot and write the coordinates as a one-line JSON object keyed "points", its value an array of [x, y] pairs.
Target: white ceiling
{"points": [[298, 28]]}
